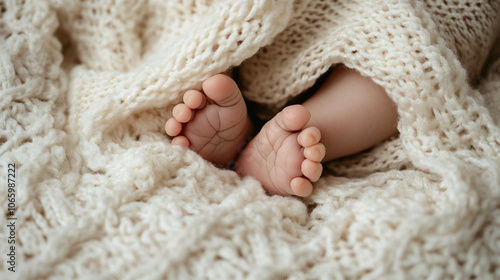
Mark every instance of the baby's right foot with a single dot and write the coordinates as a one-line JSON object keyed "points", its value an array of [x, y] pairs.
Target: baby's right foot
{"points": [[214, 123], [285, 157]]}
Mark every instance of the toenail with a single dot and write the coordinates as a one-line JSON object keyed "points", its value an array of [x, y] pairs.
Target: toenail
{"points": [[306, 140], [186, 96], [314, 153]]}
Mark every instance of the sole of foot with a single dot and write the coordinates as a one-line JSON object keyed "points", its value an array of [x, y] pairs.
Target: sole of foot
{"points": [[213, 122], [285, 156]]}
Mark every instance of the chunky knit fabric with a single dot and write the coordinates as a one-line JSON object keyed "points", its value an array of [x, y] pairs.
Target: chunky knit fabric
{"points": [[86, 88]]}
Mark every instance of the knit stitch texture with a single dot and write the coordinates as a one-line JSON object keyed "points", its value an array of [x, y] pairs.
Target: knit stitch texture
{"points": [[86, 87]]}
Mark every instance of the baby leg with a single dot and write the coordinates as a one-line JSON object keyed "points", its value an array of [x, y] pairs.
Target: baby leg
{"points": [[352, 112]]}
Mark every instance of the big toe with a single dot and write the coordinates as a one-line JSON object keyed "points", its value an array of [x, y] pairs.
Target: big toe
{"points": [[222, 90], [293, 118]]}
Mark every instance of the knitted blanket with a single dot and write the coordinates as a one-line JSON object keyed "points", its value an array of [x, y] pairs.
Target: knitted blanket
{"points": [[99, 192]]}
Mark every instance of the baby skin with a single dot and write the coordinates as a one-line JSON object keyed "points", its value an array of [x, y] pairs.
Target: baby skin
{"points": [[347, 114]]}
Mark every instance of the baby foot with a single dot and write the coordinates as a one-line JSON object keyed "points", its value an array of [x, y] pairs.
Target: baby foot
{"points": [[285, 157], [214, 123]]}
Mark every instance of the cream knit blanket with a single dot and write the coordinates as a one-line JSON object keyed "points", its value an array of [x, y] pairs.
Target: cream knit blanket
{"points": [[86, 88]]}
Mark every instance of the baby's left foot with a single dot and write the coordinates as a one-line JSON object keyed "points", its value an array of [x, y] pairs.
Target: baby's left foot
{"points": [[285, 156]]}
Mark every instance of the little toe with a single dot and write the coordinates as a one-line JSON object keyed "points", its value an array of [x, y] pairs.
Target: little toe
{"points": [[309, 136], [173, 127], [223, 90], [182, 113], [293, 117], [180, 141], [194, 99], [312, 170], [315, 152], [301, 186]]}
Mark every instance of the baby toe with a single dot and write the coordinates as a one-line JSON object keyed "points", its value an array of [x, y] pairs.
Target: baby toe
{"points": [[182, 113], [173, 127], [309, 136], [312, 170], [301, 186], [293, 118], [194, 99], [180, 141], [315, 152]]}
